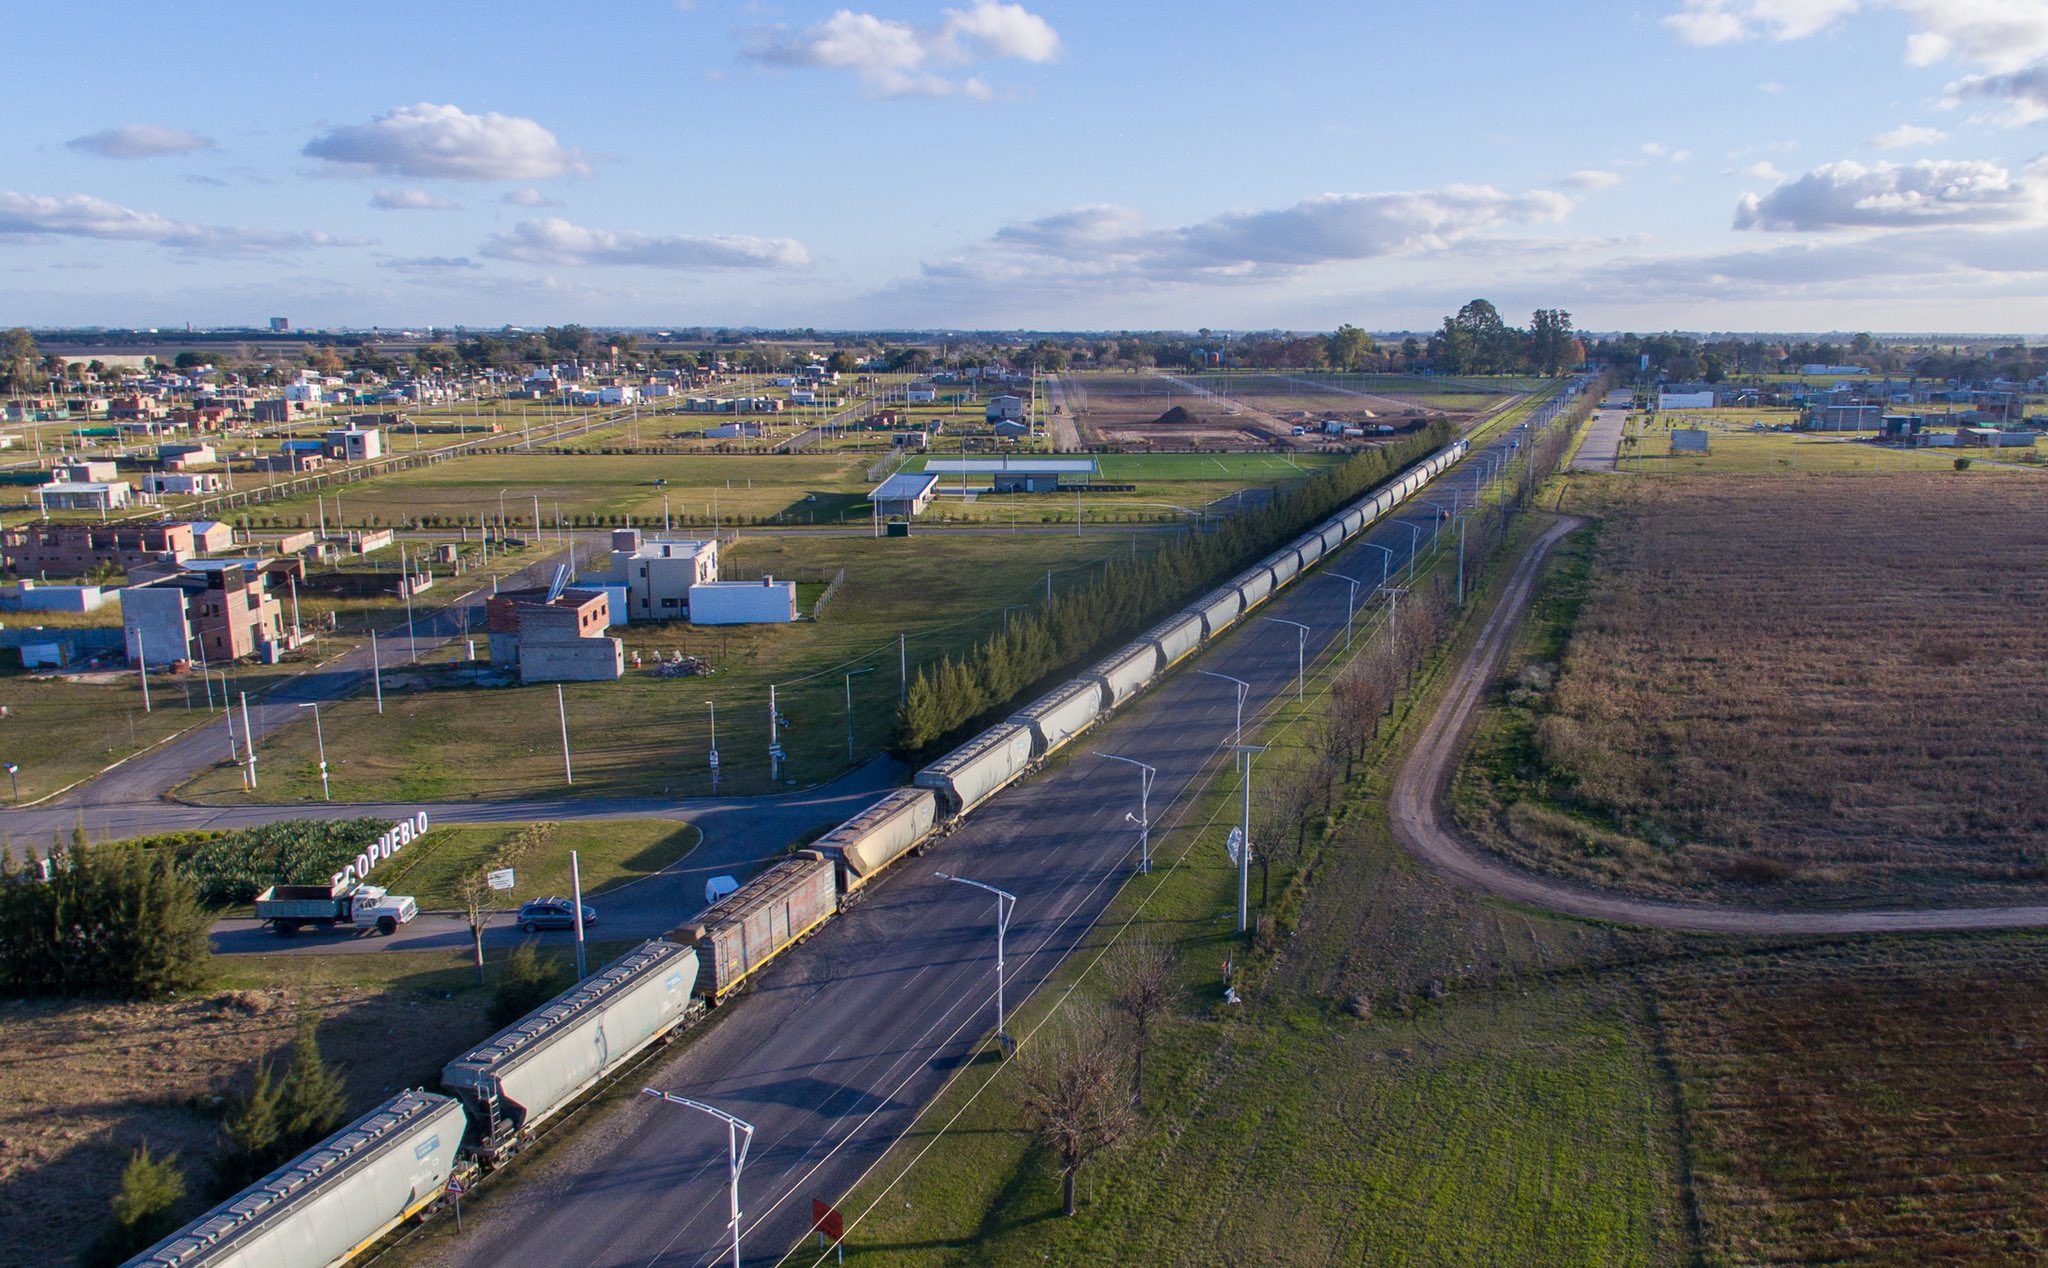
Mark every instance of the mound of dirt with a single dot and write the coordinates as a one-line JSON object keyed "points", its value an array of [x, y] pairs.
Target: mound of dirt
{"points": [[1181, 416]]}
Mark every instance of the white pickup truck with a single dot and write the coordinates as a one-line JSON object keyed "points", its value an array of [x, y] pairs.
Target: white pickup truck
{"points": [[288, 908]]}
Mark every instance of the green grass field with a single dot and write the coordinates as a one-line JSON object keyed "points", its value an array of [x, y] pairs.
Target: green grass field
{"points": [[650, 735], [609, 854], [60, 732]]}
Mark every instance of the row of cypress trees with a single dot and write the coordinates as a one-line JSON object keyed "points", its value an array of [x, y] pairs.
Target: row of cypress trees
{"points": [[956, 693], [115, 921]]}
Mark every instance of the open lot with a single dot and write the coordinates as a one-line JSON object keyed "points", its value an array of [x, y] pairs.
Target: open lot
{"points": [[1808, 691], [82, 1083], [1239, 410], [1880, 1103]]}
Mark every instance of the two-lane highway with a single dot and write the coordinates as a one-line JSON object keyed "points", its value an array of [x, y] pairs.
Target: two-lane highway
{"points": [[837, 1049]]}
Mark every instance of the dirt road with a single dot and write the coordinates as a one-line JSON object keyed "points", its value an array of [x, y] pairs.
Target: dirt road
{"points": [[1423, 825]]}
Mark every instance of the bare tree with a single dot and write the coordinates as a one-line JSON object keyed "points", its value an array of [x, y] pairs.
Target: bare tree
{"points": [[475, 893], [1074, 1096], [1141, 975]]}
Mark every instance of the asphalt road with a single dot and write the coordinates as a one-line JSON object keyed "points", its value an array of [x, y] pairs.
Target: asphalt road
{"points": [[740, 834], [1423, 825], [842, 1042]]}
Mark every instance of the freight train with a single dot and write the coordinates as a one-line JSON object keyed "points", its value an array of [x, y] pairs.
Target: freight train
{"points": [[330, 1203]]}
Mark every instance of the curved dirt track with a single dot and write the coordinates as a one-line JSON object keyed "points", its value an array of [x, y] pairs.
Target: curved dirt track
{"points": [[1423, 826]]}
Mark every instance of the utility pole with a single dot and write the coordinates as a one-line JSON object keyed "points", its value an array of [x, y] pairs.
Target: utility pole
{"points": [[562, 710], [1244, 840], [376, 672], [248, 741], [774, 739]]}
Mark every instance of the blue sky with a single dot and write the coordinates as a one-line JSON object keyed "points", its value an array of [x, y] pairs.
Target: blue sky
{"points": [[1694, 164]]}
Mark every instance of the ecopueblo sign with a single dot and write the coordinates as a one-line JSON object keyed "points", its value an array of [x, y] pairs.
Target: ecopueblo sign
{"points": [[401, 834]]}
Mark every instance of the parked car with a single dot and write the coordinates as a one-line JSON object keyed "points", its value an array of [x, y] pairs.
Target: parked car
{"points": [[553, 913]]}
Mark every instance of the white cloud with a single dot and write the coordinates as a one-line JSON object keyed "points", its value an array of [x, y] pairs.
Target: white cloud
{"points": [[1113, 243], [894, 59], [1908, 136], [2000, 35], [1764, 170], [1593, 178], [529, 197], [1848, 195], [433, 142], [430, 265], [41, 216], [2021, 95], [558, 242], [1655, 149], [1944, 262], [140, 140], [411, 200]]}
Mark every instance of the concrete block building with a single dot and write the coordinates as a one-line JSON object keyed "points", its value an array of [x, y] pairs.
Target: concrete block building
{"points": [[559, 639], [655, 575]]}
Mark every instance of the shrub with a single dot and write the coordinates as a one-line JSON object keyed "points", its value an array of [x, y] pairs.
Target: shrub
{"points": [[151, 1189], [1962, 464], [525, 983], [109, 921], [232, 868]]}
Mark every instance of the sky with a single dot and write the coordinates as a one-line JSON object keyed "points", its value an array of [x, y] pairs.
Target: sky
{"points": [[1798, 165]]}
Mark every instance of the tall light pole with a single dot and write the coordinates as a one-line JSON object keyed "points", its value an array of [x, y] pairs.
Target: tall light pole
{"points": [[1243, 688], [1414, 544], [1300, 651], [320, 737], [1350, 604], [775, 753], [713, 706], [1143, 820], [739, 1135], [376, 672], [14, 778], [1386, 560], [1004, 902], [849, 707], [1244, 839]]}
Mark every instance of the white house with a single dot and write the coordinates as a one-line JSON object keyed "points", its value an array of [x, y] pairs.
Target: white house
{"points": [[177, 483], [1004, 407], [78, 495]]}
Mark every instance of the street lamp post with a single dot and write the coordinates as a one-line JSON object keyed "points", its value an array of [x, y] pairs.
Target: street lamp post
{"points": [[1414, 544], [775, 753], [849, 707], [1300, 651], [1350, 604], [1144, 816], [1243, 688], [1004, 902], [320, 737], [376, 672], [736, 1147], [1386, 560], [14, 778]]}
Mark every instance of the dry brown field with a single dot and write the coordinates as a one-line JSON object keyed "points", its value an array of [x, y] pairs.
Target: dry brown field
{"points": [[1131, 409], [1858, 1105], [1820, 690], [83, 1083]]}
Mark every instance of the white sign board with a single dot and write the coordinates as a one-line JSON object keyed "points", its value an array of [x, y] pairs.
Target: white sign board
{"points": [[402, 834], [500, 879]]}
